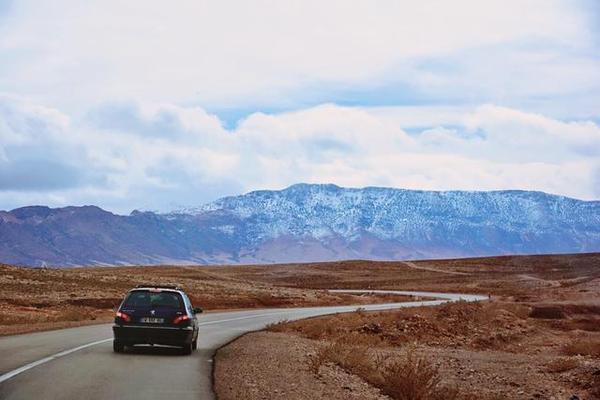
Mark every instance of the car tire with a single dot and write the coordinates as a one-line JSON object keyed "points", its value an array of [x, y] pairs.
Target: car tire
{"points": [[195, 344], [118, 347], [187, 349]]}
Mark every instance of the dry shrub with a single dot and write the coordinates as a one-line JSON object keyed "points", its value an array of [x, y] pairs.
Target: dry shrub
{"points": [[562, 365], [409, 377], [319, 359], [413, 378], [583, 347], [352, 353], [352, 358]]}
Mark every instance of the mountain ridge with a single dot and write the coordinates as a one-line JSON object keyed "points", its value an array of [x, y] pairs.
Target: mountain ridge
{"points": [[307, 222]]}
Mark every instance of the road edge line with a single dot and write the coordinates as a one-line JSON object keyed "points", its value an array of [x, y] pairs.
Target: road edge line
{"points": [[26, 367]]}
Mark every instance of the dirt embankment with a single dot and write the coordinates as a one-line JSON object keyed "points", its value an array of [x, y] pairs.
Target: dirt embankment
{"points": [[456, 351], [537, 339], [277, 366]]}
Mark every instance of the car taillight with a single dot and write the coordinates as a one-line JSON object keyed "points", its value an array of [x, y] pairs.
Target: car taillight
{"points": [[180, 319], [123, 316]]}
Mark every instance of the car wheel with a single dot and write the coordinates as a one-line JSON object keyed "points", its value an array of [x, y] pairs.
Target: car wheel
{"points": [[187, 349], [118, 347]]}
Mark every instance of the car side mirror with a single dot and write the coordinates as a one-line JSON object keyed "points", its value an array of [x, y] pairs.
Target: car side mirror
{"points": [[197, 310]]}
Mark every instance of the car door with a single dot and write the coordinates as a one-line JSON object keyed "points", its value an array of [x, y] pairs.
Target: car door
{"points": [[190, 309]]}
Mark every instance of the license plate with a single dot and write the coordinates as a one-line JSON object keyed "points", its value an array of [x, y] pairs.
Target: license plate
{"points": [[151, 320]]}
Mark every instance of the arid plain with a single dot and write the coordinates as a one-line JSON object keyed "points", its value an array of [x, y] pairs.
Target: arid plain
{"points": [[537, 337]]}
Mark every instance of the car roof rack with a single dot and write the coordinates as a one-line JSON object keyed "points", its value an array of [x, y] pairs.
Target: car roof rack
{"points": [[159, 286]]}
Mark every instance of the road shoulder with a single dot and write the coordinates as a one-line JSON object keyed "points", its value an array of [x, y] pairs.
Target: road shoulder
{"points": [[277, 366]]}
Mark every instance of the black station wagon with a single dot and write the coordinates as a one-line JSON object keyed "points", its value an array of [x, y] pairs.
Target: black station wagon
{"points": [[161, 315]]}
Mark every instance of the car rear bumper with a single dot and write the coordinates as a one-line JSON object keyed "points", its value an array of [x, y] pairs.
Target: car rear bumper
{"points": [[139, 334]]}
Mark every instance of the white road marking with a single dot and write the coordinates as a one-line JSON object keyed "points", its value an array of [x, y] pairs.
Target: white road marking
{"points": [[26, 367], [34, 364], [240, 318]]}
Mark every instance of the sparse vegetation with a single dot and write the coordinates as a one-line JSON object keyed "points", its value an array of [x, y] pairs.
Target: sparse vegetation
{"points": [[413, 378], [538, 337], [408, 377], [472, 325]]}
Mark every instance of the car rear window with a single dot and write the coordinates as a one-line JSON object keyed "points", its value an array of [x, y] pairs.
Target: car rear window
{"points": [[155, 299]]}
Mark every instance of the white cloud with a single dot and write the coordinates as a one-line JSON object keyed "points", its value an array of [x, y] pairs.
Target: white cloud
{"points": [[193, 159], [485, 148], [501, 94], [234, 53]]}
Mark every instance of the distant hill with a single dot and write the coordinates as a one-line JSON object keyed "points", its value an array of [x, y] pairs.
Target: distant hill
{"points": [[306, 223]]}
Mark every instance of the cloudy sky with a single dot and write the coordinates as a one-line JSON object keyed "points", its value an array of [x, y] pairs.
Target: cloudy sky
{"points": [[160, 105]]}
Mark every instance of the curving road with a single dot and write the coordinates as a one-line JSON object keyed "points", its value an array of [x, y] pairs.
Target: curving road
{"points": [[78, 363]]}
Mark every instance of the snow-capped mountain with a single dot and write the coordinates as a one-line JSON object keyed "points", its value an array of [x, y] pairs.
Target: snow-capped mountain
{"points": [[387, 223], [307, 222]]}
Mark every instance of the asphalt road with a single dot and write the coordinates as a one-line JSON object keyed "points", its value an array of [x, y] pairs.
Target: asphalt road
{"points": [[78, 363]]}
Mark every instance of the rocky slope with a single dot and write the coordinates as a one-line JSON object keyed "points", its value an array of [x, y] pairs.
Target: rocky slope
{"points": [[307, 223]]}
